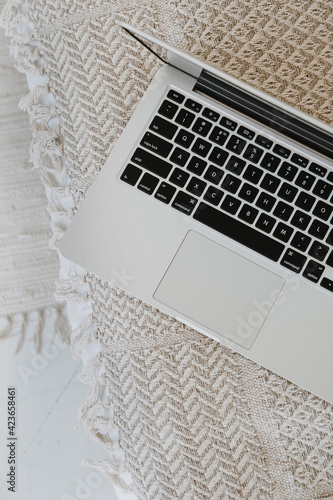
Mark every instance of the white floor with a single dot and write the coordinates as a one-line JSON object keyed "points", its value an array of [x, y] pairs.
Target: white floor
{"points": [[51, 443]]}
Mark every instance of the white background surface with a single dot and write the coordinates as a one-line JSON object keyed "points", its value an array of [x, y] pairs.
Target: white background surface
{"points": [[51, 442]]}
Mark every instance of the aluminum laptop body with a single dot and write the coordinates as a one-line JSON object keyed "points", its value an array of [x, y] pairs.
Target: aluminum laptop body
{"points": [[226, 223]]}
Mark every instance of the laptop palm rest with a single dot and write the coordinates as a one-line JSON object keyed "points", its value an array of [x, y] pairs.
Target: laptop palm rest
{"points": [[219, 289]]}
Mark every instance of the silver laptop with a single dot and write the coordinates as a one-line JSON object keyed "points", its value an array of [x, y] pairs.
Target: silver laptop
{"points": [[216, 207]]}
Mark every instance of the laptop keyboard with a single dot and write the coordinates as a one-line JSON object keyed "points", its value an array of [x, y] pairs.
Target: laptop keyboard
{"points": [[239, 183]]}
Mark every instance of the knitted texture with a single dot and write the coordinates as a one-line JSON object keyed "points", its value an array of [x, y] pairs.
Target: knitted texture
{"points": [[194, 420], [28, 268]]}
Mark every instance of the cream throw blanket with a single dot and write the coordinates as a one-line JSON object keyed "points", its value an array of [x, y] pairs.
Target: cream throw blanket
{"points": [[194, 420], [28, 267]]}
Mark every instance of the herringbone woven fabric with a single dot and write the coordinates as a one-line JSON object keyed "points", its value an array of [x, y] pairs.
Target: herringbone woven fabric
{"points": [[194, 420]]}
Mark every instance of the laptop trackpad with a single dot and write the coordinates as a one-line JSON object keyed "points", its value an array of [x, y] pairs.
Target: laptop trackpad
{"points": [[219, 289]]}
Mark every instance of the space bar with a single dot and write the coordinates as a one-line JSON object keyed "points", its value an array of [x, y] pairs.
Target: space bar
{"points": [[238, 231]]}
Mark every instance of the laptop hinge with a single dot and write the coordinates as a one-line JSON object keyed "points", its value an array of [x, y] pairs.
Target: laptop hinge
{"points": [[145, 45], [275, 118]]}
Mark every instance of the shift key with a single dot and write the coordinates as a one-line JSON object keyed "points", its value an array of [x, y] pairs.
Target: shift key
{"points": [[152, 163]]}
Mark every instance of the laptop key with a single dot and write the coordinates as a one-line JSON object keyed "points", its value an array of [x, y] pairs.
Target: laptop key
{"points": [[318, 229], [151, 162], [322, 210], [253, 174], [196, 186], [175, 96], [236, 144], [148, 183], [218, 156], [212, 115], [201, 147], [313, 271], [283, 211], [323, 189], [318, 169], [202, 127], [184, 138], [287, 171], [179, 177], [292, 260], [281, 150], [214, 174], [179, 156], [305, 201], [287, 192], [231, 183], [263, 141], [168, 109], [329, 238], [253, 153], [300, 241], [230, 124], [235, 165], [213, 195], [238, 231], [300, 219], [328, 284], [196, 165], [270, 162], [329, 261], [219, 136], [230, 204], [305, 180], [299, 160], [163, 127], [248, 213], [270, 183], [318, 250], [131, 174], [184, 202], [193, 105], [156, 144], [165, 192], [184, 118], [265, 201], [265, 223], [283, 232], [248, 192], [246, 132]]}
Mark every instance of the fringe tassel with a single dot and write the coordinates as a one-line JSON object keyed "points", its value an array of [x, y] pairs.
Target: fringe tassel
{"points": [[47, 155], [61, 325], [79, 341], [26, 56], [7, 329], [111, 469], [37, 338], [34, 322], [46, 151], [66, 289], [24, 325]]}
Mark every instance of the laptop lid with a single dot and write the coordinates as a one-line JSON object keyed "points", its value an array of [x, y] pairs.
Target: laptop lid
{"points": [[272, 112]]}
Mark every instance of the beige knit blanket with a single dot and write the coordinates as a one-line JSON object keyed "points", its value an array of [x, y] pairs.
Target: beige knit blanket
{"points": [[186, 417], [28, 267]]}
